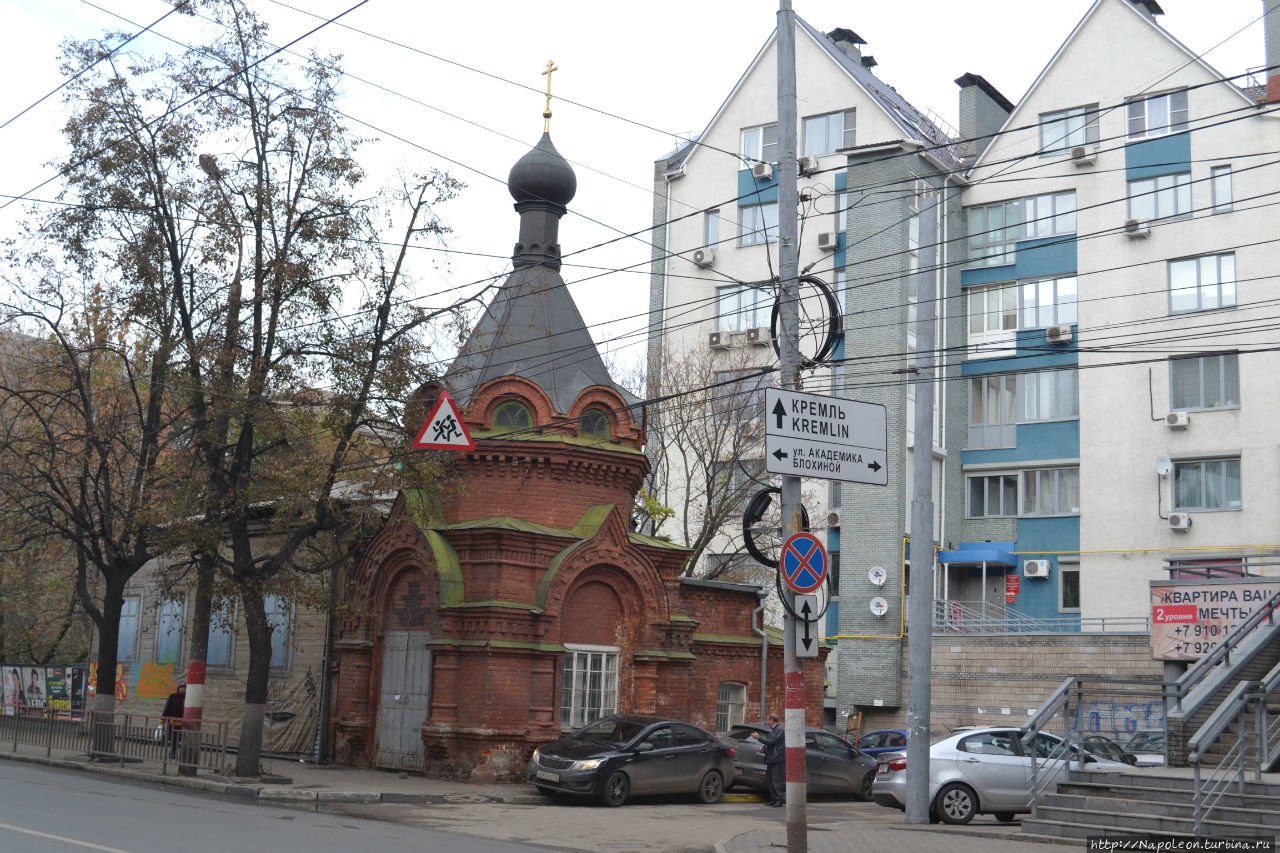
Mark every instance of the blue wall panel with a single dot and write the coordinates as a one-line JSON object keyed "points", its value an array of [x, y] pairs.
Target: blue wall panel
{"points": [[748, 186], [1164, 155], [1044, 257], [1037, 597]]}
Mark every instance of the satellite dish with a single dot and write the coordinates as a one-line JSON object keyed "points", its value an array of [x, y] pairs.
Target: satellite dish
{"points": [[1163, 466]]}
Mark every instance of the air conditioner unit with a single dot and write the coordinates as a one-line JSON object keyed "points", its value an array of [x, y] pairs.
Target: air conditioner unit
{"points": [[828, 240], [704, 257], [807, 165], [1036, 568], [718, 340], [1137, 229], [1058, 334], [833, 518], [762, 171], [1179, 521], [1177, 420], [1083, 156], [759, 337]]}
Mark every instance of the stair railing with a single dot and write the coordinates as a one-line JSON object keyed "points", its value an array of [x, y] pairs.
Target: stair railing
{"points": [[1268, 729], [1230, 770], [1221, 653]]}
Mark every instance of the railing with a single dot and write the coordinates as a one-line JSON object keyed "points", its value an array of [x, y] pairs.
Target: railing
{"points": [[122, 737], [1230, 770], [1267, 728], [970, 617], [1221, 653]]}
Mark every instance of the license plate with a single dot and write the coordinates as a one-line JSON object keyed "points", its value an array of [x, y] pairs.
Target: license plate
{"points": [[549, 777]]}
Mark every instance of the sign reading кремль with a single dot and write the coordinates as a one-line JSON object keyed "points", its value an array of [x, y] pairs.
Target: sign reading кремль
{"points": [[813, 435]]}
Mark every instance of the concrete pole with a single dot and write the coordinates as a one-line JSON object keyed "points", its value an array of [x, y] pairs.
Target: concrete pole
{"points": [[789, 364], [920, 597]]}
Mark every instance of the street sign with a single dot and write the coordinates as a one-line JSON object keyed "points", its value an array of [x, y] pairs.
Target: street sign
{"points": [[444, 429], [804, 562], [812, 435], [806, 625]]}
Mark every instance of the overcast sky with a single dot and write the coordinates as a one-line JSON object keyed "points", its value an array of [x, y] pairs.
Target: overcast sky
{"points": [[644, 72]]}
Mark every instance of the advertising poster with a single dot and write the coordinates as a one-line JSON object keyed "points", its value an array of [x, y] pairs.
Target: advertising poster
{"points": [[33, 686], [12, 690], [1189, 618], [56, 689], [79, 689]]}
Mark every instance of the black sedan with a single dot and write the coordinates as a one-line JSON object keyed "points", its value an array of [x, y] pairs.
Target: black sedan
{"points": [[625, 754], [832, 764]]}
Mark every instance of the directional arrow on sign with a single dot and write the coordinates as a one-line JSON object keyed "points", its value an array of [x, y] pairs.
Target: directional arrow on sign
{"points": [[779, 455], [779, 412], [806, 642]]}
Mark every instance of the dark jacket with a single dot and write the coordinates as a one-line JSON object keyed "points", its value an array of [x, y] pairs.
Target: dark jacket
{"points": [[775, 746], [174, 707]]}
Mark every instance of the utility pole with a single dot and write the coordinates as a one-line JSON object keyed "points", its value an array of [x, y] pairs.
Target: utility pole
{"points": [[920, 597], [789, 364]]}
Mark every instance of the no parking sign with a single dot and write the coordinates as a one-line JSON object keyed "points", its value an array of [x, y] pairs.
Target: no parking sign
{"points": [[804, 563]]}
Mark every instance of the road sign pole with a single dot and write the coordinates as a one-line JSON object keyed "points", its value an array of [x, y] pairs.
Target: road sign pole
{"points": [[789, 364]]}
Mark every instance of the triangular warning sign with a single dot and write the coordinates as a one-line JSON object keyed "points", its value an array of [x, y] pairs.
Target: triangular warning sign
{"points": [[444, 429]]}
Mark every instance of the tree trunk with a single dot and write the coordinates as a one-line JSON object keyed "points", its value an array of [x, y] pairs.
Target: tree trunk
{"points": [[248, 760], [104, 697]]}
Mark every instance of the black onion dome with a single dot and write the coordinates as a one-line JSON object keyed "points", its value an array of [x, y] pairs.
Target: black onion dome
{"points": [[543, 175]]}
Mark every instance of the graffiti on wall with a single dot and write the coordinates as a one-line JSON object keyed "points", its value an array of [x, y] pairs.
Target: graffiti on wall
{"points": [[122, 686], [155, 680], [1108, 716]]}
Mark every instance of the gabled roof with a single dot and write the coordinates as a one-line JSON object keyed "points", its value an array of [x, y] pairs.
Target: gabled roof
{"points": [[914, 123], [1140, 14]]}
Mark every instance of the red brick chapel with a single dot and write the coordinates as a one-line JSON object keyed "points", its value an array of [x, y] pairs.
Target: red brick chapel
{"points": [[533, 608]]}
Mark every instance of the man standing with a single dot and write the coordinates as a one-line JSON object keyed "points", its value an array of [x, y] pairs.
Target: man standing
{"points": [[775, 760], [174, 707]]}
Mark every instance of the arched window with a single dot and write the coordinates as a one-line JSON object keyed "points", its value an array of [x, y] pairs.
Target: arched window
{"points": [[594, 423], [512, 415]]}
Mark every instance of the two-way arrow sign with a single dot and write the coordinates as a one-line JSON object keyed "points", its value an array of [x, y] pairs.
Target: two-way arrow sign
{"points": [[806, 607]]}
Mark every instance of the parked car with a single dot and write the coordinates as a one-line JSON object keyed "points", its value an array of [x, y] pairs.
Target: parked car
{"points": [[622, 755], [1104, 747], [1147, 747], [832, 764], [982, 770], [884, 740]]}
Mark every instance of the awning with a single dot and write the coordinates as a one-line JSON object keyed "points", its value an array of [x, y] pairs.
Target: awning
{"points": [[975, 553]]}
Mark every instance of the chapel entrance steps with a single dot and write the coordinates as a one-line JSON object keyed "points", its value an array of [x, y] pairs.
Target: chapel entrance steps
{"points": [[1152, 801]]}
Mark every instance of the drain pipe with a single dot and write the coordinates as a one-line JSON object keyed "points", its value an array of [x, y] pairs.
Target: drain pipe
{"points": [[764, 651]]}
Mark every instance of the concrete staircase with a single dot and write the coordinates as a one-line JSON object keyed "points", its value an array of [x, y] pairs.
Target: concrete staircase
{"points": [[1123, 805]]}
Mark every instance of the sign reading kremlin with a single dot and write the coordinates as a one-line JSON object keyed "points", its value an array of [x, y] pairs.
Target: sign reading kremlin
{"points": [[810, 435]]}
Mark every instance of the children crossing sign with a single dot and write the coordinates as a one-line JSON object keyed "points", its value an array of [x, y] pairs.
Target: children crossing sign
{"points": [[444, 429]]}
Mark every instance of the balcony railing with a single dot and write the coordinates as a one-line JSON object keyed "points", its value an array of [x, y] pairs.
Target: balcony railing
{"points": [[976, 617]]}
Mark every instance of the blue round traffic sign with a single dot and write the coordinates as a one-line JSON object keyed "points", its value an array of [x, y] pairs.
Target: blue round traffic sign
{"points": [[804, 562]]}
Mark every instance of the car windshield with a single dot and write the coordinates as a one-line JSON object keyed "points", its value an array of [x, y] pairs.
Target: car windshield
{"points": [[609, 730]]}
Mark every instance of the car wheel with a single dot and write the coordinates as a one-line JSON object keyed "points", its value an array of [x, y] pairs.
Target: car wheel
{"points": [[616, 789], [711, 788], [1005, 817], [864, 790], [956, 804]]}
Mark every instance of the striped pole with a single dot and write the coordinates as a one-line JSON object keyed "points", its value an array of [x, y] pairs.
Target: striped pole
{"points": [[192, 712]]}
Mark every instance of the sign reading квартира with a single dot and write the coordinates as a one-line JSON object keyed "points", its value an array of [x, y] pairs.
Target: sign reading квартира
{"points": [[811, 435], [1190, 617]]}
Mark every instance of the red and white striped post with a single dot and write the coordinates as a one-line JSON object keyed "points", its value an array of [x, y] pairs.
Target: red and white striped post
{"points": [[192, 712]]}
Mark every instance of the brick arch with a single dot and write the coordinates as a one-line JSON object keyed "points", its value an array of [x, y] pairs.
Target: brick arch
{"points": [[410, 600], [640, 584], [623, 428], [593, 613], [479, 412]]}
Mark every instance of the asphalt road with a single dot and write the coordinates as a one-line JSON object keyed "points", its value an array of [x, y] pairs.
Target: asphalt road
{"points": [[55, 811]]}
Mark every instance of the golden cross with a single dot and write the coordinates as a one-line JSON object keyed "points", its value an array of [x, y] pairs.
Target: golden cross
{"points": [[546, 114]]}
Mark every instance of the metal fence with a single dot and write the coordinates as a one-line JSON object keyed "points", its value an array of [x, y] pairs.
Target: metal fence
{"points": [[120, 737], [973, 617]]}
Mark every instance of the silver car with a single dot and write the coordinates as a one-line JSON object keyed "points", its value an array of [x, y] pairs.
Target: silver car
{"points": [[983, 770]]}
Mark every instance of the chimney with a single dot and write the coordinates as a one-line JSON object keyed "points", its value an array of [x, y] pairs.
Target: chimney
{"points": [[1150, 8], [869, 62], [848, 41], [1271, 27], [983, 111]]}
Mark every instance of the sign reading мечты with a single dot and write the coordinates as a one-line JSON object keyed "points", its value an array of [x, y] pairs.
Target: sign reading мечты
{"points": [[1188, 619]]}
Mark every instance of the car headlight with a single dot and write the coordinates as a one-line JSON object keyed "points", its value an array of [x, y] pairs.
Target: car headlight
{"points": [[589, 764], [536, 753]]}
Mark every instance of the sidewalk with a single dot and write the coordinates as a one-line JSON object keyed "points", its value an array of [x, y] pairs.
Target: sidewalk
{"points": [[321, 787]]}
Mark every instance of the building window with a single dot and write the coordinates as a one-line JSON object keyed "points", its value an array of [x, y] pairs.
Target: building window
{"points": [[840, 283], [512, 415], [1202, 284], [170, 617], [994, 496], [278, 617], [1048, 303], [995, 229], [833, 574], [828, 133], [711, 228], [993, 411], [731, 705], [1206, 484], [1205, 382], [736, 481], [1049, 395], [740, 393], [842, 212], [760, 144], [594, 423], [993, 310], [221, 638], [1161, 197], [1156, 115], [759, 224], [1220, 181], [743, 306], [1068, 586], [1065, 129], [589, 690], [1051, 491], [127, 644]]}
